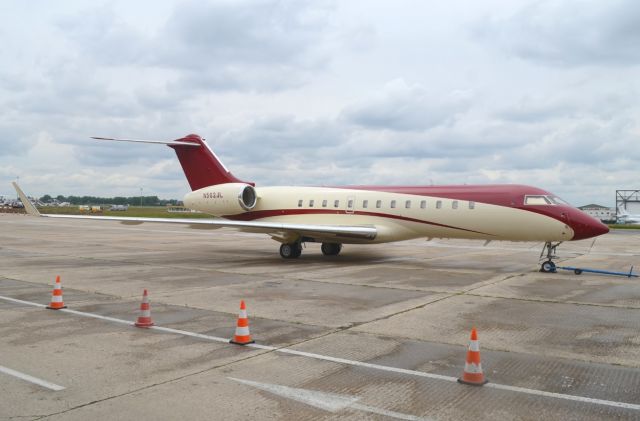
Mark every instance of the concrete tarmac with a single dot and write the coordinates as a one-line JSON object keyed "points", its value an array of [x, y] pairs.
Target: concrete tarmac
{"points": [[377, 333]]}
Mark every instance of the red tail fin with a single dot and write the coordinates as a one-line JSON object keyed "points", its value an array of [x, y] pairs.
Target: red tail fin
{"points": [[200, 165]]}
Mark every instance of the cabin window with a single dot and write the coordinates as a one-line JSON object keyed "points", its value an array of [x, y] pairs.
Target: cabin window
{"points": [[472, 205], [393, 204], [365, 203], [300, 203], [336, 204], [407, 204], [439, 204], [378, 204], [454, 204], [536, 200], [324, 203], [423, 204], [311, 203]]}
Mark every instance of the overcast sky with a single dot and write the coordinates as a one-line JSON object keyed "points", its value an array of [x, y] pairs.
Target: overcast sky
{"points": [[544, 93]]}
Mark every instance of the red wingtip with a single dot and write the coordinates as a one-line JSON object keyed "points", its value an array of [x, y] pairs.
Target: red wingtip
{"points": [[242, 305], [145, 292], [57, 279]]}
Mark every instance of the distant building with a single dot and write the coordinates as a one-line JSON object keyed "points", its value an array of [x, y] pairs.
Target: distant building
{"points": [[600, 212]]}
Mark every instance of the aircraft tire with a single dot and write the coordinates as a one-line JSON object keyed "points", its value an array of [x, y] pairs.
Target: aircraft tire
{"points": [[548, 266], [331, 249], [290, 251]]}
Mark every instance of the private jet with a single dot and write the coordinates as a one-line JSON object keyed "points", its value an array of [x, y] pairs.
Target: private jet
{"points": [[333, 216], [625, 217]]}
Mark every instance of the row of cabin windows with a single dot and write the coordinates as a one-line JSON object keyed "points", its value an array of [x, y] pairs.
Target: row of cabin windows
{"points": [[365, 204]]}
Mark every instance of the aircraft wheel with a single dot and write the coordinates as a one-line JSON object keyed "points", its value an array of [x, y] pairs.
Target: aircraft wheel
{"points": [[290, 251], [331, 249], [577, 271], [548, 266]]}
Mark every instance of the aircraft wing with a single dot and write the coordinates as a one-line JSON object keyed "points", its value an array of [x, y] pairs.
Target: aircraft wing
{"points": [[278, 230]]}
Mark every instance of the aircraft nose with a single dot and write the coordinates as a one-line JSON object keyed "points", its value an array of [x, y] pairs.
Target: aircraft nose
{"points": [[585, 226]]}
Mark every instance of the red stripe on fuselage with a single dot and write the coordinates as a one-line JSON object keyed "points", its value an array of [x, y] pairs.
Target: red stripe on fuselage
{"points": [[253, 215]]}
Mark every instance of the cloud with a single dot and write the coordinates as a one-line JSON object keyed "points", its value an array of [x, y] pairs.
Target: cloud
{"points": [[263, 46], [312, 93], [400, 106], [569, 33]]}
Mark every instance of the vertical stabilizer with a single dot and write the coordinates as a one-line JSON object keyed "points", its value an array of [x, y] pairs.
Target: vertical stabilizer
{"points": [[200, 165]]}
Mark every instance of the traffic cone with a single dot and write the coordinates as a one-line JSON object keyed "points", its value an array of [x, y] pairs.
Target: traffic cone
{"points": [[144, 319], [242, 336], [56, 296], [472, 373]]}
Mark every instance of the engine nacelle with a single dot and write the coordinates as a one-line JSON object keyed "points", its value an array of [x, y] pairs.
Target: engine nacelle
{"points": [[223, 199]]}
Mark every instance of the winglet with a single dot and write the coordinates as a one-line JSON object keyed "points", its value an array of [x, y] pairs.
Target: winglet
{"points": [[28, 206]]}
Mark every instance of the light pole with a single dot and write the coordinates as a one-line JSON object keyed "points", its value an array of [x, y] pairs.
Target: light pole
{"points": [[140, 196]]}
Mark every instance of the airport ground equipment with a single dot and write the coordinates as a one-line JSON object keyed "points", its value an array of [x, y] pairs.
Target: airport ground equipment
{"points": [[242, 335], [472, 373], [144, 320], [579, 271], [56, 296]]}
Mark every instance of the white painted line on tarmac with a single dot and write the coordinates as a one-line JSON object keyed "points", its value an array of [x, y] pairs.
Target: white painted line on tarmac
{"points": [[354, 363], [31, 379], [15, 300], [96, 316], [367, 365], [562, 396], [330, 402]]}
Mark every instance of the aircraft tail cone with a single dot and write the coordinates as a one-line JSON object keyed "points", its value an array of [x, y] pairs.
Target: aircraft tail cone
{"points": [[144, 319], [472, 373], [56, 296], [242, 335]]}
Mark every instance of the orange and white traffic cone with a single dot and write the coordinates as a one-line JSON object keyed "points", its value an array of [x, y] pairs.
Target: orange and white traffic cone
{"points": [[144, 319], [242, 336], [56, 296], [472, 373]]}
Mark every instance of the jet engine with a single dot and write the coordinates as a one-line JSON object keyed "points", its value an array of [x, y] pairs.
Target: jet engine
{"points": [[223, 199]]}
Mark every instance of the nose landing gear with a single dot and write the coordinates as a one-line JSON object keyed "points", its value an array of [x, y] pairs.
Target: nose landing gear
{"points": [[550, 249]]}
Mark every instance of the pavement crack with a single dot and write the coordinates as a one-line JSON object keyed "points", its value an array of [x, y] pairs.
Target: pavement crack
{"points": [[140, 389], [551, 301]]}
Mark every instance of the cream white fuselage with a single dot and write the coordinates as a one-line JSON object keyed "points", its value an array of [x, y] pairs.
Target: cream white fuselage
{"points": [[395, 216]]}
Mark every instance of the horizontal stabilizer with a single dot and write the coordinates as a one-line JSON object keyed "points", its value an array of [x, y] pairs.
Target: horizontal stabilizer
{"points": [[161, 142]]}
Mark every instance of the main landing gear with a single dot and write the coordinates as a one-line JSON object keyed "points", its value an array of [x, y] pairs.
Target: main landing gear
{"points": [[294, 250], [331, 249], [550, 250], [291, 251]]}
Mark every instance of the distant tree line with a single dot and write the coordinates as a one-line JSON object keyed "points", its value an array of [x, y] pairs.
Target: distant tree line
{"points": [[118, 200]]}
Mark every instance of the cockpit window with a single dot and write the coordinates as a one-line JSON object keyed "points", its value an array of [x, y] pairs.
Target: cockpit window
{"points": [[544, 200], [536, 200], [556, 200]]}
